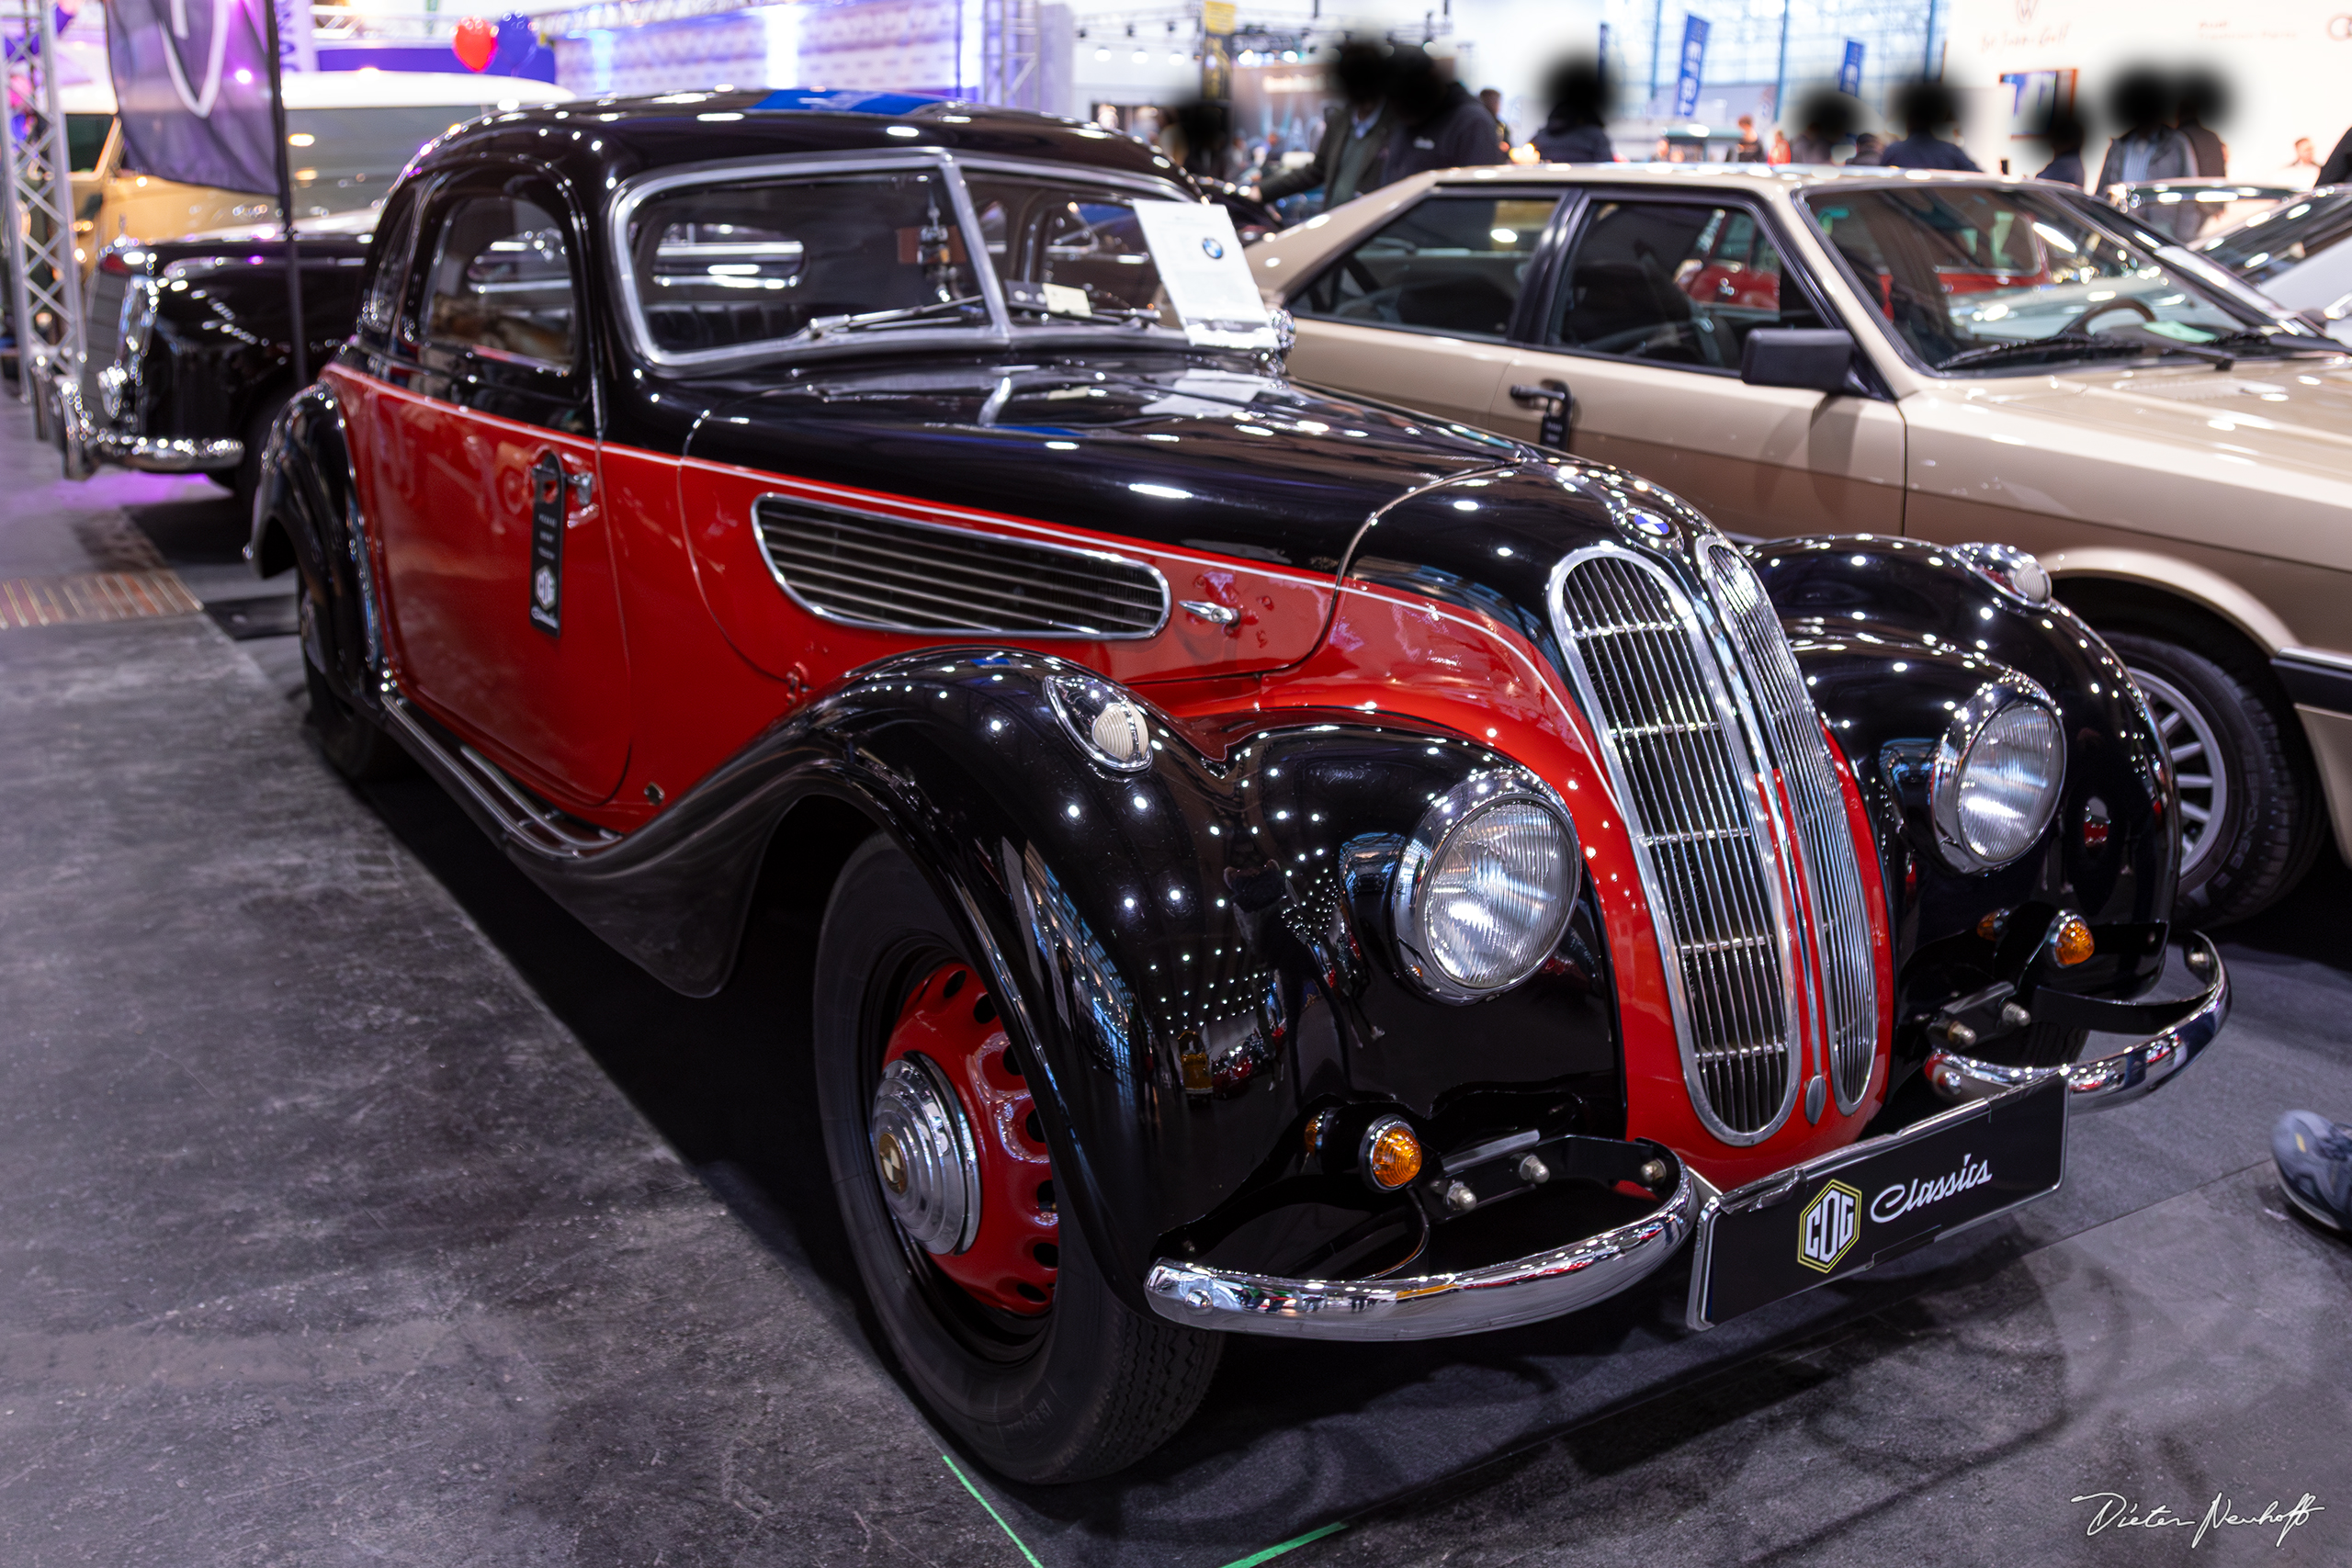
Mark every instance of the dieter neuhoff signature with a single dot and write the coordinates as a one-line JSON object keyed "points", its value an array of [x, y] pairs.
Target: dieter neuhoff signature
{"points": [[2113, 1510]]}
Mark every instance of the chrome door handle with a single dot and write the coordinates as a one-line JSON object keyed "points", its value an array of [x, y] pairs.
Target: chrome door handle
{"points": [[1553, 397], [1207, 610], [583, 488]]}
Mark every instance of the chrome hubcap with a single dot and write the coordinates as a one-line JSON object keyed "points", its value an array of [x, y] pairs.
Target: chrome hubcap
{"points": [[923, 1152], [2198, 772]]}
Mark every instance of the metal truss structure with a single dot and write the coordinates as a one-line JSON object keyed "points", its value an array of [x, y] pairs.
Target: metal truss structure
{"points": [[37, 186], [1009, 53]]}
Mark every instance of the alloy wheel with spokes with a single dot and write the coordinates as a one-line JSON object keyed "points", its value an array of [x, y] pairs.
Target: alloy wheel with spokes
{"points": [[2198, 766]]}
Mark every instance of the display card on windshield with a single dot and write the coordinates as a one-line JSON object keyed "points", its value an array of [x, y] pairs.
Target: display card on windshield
{"points": [[1199, 257]]}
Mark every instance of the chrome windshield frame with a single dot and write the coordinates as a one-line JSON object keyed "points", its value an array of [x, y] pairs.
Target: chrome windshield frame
{"points": [[999, 332]]}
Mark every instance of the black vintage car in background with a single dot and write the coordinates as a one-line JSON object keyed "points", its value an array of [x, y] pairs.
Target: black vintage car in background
{"points": [[1282, 866], [190, 346]]}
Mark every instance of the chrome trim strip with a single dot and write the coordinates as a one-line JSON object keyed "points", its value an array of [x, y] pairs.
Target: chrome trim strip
{"points": [[539, 826], [2111, 1080], [1098, 558], [1432, 1306], [1715, 887]]}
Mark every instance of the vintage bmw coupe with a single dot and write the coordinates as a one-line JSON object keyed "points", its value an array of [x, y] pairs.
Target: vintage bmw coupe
{"points": [[1285, 865]]}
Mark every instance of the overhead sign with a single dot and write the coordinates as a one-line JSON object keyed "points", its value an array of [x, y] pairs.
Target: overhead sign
{"points": [[1849, 75], [191, 81], [1694, 65]]}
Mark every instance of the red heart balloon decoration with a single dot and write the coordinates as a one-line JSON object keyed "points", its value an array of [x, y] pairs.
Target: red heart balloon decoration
{"points": [[477, 41]]}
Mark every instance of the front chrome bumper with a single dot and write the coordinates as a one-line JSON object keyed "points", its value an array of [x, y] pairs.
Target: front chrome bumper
{"points": [[83, 447], [2111, 1080], [1435, 1306]]}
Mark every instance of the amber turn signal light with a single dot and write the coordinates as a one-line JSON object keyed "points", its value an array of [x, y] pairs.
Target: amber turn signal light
{"points": [[1392, 1156], [2071, 943]]}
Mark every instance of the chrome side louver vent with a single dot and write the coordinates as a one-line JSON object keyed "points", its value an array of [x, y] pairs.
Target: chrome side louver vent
{"points": [[1738, 826], [922, 577], [1844, 973]]}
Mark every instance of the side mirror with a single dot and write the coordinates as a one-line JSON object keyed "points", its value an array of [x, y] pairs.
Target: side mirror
{"points": [[1814, 359]]}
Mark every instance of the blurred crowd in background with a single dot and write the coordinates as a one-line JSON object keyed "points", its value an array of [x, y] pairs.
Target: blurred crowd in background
{"points": [[1395, 111]]}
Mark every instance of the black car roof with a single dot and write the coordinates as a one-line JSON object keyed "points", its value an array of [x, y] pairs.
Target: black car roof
{"points": [[630, 136]]}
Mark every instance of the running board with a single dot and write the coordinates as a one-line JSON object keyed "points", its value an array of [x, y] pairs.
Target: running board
{"points": [[520, 815]]}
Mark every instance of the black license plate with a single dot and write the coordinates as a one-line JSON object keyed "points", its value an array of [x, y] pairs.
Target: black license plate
{"points": [[1838, 1215]]}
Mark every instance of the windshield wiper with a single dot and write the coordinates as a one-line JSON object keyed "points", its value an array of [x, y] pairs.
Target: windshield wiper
{"points": [[2260, 341], [820, 325], [2067, 341]]}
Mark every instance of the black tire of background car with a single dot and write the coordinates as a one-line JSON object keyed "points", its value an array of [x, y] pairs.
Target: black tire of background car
{"points": [[1087, 1389], [2271, 823], [351, 742]]}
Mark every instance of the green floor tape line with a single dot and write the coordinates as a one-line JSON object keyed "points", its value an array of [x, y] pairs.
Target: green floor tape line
{"points": [[1007, 1529], [1290, 1545]]}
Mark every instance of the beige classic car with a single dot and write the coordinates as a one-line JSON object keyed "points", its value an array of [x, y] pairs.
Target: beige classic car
{"points": [[1952, 358]]}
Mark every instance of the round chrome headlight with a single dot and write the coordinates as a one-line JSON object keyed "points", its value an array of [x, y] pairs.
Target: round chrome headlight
{"points": [[1998, 773], [1484, 888]]}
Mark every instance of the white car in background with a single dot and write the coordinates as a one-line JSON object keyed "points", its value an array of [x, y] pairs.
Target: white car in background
{"points": [[2295, 253]]}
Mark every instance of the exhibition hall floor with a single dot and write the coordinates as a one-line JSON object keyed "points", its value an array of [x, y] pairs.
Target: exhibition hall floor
{"points": [[362, 1208]]}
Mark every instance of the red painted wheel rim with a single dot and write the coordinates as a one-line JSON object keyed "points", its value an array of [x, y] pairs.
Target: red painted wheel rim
{"points": [[951, 1018]]}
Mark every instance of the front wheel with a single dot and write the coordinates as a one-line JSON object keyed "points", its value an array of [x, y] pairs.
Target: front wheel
{"points": [[2249, 811], [998, 1312]]}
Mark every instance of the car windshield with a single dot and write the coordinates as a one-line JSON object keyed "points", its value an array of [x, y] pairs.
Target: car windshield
{"points": [[341, 160], [2270, 243], [1975, 278], [1068, 255], [2186, 208]]}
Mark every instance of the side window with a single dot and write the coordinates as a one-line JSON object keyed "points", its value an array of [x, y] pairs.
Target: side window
{"points": [[388, 256], [1452, 264], [498, 286], [1673, 282]]}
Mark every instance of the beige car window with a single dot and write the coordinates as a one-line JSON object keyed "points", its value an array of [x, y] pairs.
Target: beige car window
{"points": [[1452, 264], [1674, 283]]}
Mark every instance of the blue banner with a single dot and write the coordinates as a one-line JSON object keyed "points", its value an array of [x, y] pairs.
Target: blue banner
{"points": [[1849, 75], [1694, 63], [191, 78]]}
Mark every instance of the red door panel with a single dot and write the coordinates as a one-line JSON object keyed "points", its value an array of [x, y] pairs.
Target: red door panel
{"points": [[450, 500]]}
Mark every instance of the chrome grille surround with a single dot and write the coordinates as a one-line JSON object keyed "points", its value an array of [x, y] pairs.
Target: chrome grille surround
{"points": [[1671, 682], [1843, 972], [868, 569]]}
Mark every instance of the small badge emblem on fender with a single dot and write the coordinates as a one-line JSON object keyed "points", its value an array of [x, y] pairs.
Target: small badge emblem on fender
{"points": [[548, 493], [1828, 1226]]}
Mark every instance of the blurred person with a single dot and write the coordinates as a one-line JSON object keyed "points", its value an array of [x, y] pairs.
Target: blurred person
{"points": [[2314, 1159], [1780, 150], [2202, 98], [2064, 134], [1491, 100], [1828, 118], [1197, 137], [2302, 169], [1439, 124], [1749, 150], [1923, 108], [1576, 132], [1355, 134], [2149, 149], [1869, 150]]}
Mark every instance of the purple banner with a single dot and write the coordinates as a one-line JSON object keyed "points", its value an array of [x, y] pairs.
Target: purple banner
{"points": [[191, 78]]}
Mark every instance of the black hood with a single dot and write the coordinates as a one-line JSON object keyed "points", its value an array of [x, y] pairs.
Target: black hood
{"points": [[1192, 451]]}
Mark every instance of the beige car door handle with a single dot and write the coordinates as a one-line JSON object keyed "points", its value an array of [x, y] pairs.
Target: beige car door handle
{"points": [[1554, 399]]}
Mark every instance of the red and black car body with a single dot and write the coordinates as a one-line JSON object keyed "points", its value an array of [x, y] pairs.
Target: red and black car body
{"points": [[1160, 683]]}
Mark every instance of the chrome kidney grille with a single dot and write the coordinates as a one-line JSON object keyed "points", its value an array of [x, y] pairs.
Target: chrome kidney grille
{"points": [[1738, 829], [925, 577]]}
